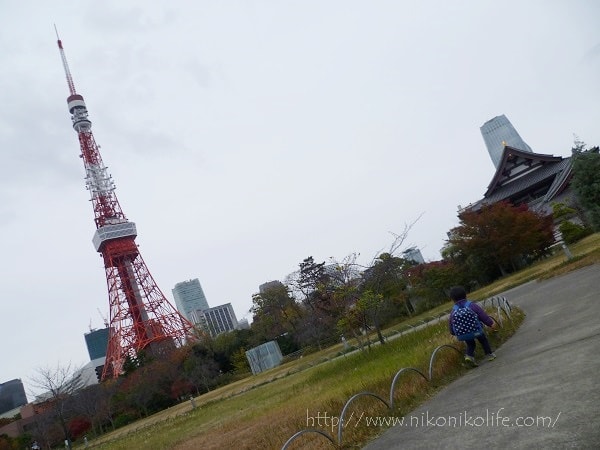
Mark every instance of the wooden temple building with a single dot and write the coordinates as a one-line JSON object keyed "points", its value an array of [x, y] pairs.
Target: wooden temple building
{"points": [[539, 180]]}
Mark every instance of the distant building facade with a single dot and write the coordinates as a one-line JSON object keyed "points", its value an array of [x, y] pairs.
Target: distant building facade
{"points": [[189, 297], [89, 374], [96, 342], [12, 395], [216, 320], [413, 254], [29, 413], [276, 284], [498, 133]]}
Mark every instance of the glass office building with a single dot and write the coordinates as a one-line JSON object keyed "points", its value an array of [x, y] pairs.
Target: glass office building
{"points": [[413, 254], [189, 297], [12, 395], [499, 132], [96, 342]]}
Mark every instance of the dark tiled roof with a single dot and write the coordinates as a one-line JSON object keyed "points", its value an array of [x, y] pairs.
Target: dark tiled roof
{"points": [[560, 181], [520, 184], [509, 154], [559, 170]]}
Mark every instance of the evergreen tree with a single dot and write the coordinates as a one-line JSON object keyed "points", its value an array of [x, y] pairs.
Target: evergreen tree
{"points": [[586, 181]]}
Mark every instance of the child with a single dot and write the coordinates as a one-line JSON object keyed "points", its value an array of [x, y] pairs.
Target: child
{"points": [[465, 323]]}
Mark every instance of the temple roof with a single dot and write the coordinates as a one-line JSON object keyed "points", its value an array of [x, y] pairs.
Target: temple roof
{"points": [[517, 163], [521, 171]]}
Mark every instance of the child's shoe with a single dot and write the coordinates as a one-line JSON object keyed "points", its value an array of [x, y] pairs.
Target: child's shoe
{"points": [[491, 356], [470, 360]]}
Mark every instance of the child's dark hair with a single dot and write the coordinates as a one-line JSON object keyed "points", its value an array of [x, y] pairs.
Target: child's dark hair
{"points": [[458, 293]]}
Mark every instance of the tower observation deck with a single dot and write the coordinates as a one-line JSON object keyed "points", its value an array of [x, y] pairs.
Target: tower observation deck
{"points": [[141, 318]]}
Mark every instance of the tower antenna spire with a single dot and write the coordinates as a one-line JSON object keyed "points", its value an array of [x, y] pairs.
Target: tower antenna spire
{"points": [[65, 65]]}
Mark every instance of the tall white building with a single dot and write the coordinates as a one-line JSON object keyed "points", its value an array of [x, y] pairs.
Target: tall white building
{"points": [[498, 133], [189, 297]]}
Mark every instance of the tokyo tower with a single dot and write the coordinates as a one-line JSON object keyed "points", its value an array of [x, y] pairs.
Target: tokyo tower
{"points": [[141, 318]]}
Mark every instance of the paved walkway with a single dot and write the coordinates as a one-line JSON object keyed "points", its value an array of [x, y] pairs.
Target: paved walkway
{"points": [[546, 377]]}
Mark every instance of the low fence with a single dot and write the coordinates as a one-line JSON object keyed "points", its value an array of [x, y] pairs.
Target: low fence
{"points": [[503, 311]]}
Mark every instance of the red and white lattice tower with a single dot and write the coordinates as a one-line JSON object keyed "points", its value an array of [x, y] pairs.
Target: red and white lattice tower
{"points": [[141, 318]]}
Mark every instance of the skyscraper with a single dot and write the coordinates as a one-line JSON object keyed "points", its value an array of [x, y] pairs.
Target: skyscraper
{"points": [[189, 297], [499, 132], [96, 342]]}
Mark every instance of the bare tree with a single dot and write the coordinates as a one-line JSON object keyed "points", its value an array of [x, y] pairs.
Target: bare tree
{"points": [[58, 386], [94, 403], [398, 241], [380, 282]]}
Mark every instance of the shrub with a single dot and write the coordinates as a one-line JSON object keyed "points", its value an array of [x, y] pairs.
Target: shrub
{"points": [[124, 419], [572, 232]]}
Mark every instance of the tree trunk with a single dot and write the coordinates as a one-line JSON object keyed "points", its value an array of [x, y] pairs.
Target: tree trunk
{"points": [[378, 329], [502, 271], [358, 339]]}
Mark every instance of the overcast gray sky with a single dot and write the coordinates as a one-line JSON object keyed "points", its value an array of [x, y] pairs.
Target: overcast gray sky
{"points": [[244, 136]]}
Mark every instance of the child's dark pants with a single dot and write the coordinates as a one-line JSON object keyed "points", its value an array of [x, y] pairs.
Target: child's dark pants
{"points": [[483, 340]]}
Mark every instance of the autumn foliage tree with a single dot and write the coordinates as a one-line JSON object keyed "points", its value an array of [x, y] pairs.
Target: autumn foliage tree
{"points": [[430, 282], [499, 238]]}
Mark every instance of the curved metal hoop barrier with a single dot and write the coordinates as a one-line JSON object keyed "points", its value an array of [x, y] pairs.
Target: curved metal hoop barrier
{"points": [[350, 400], [437, 349], [503, 308], [404, 369], [308, 430]]}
